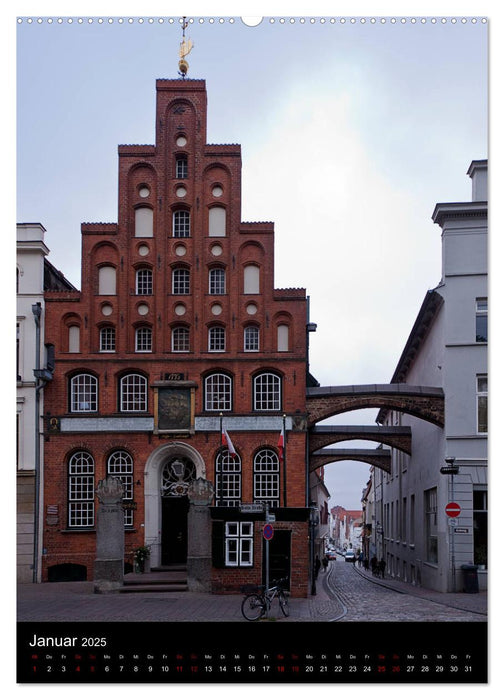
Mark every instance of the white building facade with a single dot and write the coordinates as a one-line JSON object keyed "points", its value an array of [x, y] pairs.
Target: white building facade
{"points": [[31, 252], [447, 348]]}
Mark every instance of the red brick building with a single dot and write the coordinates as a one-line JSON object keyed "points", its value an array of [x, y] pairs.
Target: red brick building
{"points": [[177, 333]]}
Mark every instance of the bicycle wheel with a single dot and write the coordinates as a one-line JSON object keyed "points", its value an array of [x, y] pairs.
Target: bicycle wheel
{"points": [[253, 606], [284, 603]]}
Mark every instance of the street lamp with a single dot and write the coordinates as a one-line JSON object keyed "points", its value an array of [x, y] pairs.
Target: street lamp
{"points": [[451, 469]]}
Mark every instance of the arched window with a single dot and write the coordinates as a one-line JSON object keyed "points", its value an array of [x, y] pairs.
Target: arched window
{"points": [[81, 490], [120, 465], [83, 393], [107, 339], [282, 338], [180, 339], [251, 279], [216, 339], [267, 477], [267, 392], [143, 339], [144, 281], [251, 339], [181, 281], [181, 224], [217, 222], [106, 280], [133, 393], [218, 392], [181, 169], [144, 222], [227, 480], [74, 339], [217, 281]]}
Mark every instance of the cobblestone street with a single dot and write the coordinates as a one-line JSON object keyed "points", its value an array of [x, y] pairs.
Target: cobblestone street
{"points": [[364, 600]]}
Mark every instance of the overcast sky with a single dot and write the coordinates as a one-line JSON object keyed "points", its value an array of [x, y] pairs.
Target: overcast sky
{"points": [[350, 134]]}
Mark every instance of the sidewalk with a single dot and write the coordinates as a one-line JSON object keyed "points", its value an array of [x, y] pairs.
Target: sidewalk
{"points": [[76, 601], [470, 602]]}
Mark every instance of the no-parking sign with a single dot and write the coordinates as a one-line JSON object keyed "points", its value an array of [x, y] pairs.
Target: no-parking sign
{"points": [[268, 531]]}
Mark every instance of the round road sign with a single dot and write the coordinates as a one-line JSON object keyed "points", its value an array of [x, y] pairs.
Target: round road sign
{"points": [[268, 531], [452, 510]]}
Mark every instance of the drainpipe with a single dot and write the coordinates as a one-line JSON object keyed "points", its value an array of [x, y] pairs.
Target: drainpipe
{"points": [[37, 311], [42, 376]]}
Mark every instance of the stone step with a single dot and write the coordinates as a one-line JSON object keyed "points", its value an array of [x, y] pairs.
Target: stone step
{"points": [[154, 588]]}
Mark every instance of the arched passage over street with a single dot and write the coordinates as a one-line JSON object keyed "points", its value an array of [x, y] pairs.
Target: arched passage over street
{"points": [[398, 437], [423, 402], [378, 458]]}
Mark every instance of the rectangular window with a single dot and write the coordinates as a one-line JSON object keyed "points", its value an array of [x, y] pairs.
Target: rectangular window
{"points": [[482, 320], [431, 528], [412, 520], [403, 519], [239, 543], [482, 400], [480, 525]]}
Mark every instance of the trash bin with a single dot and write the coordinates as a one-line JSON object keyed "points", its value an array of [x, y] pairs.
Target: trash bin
{"points": [[470, 578]]}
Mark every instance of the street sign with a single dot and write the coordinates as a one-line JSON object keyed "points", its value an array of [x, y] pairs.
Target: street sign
{"points": [[271, 517], [268, 531], [452, 521], [462, 530], [252, 507], [452, 510]]}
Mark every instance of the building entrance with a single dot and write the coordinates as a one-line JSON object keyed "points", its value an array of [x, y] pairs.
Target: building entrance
{"points": [[176, 476], [279, 556], [174, 530]]}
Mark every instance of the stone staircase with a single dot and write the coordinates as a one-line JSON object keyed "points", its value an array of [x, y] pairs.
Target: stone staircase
{"points": [[165, 579]]}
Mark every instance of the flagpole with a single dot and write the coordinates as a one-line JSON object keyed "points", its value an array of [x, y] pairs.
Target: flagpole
{"points": [[284, 464], [219, 494]]}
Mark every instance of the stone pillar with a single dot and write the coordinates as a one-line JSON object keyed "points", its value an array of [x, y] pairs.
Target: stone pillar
{"points": [[199, 540], [109, 562]]}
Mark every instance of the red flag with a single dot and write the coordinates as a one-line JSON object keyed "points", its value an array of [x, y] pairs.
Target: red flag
{"points": [[281, 443], [226, 440]]}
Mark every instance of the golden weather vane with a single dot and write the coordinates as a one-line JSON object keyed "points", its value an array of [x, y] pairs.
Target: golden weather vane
{"points": [[185, 48]]}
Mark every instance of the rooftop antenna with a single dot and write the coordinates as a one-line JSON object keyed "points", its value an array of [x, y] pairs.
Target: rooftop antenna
{"points": [[185, 48]]}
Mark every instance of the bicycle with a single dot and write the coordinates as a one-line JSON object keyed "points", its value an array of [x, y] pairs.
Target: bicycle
{"points": [[256, 605]]}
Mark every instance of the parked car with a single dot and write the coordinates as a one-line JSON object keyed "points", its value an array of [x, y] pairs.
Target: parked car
{"points": [[330, 554], [349, 555]]}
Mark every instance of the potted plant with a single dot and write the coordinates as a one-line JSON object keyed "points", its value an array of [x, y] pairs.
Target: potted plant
{"points": [[141, 555]]}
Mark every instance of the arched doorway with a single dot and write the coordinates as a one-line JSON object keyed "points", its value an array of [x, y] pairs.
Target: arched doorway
{"points": [[176, 475], [168, 473]]}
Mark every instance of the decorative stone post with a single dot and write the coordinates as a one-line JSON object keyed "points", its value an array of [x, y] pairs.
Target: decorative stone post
{"points": [[109, 562], [199, 530]]}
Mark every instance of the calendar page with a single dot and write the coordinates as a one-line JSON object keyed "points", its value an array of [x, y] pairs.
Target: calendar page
{"points": [[252, 333]]}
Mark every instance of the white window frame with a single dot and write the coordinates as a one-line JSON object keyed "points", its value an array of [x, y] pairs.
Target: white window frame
{"points": [[218, 392], [181, 284], [481, 401], [228, 480], [144, 282], [107, 338], [83, 393], [217, 281], [181, 166], [267, 392], [181, 223], [481, 313], [239, 543], [216, 339], [180, 340], [120, 465], [81, 470], [267, 477], [133, 393], [251, 339], [143, 339]]}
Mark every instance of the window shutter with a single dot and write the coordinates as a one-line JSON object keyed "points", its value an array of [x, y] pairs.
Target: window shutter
{"points": [[218, 544]]}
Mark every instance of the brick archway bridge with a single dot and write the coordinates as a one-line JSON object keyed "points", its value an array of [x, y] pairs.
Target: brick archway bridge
{"points": [[426, 403]]}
